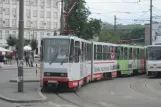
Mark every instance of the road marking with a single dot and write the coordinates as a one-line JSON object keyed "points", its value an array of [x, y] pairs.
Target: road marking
{"points": [[58, 105], [105, 104]]}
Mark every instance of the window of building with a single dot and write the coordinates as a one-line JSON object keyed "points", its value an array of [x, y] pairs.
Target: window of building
{"points": [[41, 24], [14, 2], [14, 33], [48, 3], [34, 2], [35, 13], [6, 34], [28, 23], [7, 11], [34, 24], [42, 14], [13, 22], [55, 4], [0, 10], [48, 25], [41, 34], [42, 3], [55, 15], [7, 22], [48, 14], [55, 25], [28, 13], [7, 1], [27, 2], [0, 34], [35, 35], [14, 12], [0, 22]]}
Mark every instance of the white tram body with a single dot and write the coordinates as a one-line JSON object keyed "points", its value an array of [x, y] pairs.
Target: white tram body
{"points": [[68, 61], [153, 60]]}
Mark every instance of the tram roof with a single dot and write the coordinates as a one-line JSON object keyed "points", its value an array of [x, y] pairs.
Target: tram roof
{"points": [[104, 43], [65, 37], [153, 46]]}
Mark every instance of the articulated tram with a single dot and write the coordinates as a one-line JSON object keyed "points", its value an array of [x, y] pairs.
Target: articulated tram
{"points": [[70, 62], [153, 60]]}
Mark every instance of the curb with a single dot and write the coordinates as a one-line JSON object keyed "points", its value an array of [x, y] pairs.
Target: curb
{"points": [[15, 81], [16, 68], [43, 98]]}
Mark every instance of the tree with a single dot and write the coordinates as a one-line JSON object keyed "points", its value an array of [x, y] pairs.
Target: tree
{"points": [[107, 36], [11, 41], [78, 20], [137, 33], [34, 44]]}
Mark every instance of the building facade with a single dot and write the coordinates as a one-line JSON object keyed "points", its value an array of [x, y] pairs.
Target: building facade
{"points": [[156, 33], [41, 18]]}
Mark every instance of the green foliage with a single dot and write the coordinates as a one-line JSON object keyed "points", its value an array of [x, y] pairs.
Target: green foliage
{"points": [[55, 33], [107, 36], [34, 44], [78, 20], [11, 41]]}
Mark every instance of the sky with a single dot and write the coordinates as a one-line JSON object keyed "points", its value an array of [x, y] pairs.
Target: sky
{"points": [[126, 11]]}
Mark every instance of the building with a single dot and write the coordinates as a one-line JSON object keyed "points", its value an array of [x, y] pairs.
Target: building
{"points": [[41, 18], [156, 33]]}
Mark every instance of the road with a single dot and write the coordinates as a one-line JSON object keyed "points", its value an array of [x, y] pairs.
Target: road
{"points": [[136, 91]]}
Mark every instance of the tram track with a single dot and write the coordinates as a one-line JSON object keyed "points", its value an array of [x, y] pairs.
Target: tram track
{"points": [[78, 100], [143, 89]]}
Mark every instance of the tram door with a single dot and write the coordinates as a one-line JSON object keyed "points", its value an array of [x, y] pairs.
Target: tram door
{"points": [[83, 59]]}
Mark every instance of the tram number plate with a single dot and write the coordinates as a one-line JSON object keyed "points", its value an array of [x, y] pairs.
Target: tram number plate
{"points": [[52, 81]]}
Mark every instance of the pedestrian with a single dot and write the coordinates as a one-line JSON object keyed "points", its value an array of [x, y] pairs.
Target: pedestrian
{"points": [[16, 58], [27, 60], [1, 60], [31, 60]]}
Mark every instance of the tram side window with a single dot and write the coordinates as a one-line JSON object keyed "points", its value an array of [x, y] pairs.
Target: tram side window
{"points": [[41, 51], [95, 52], [125, 53], [77, 51], [71, 56], [141, 53], [116, 52], [121, 53], [138, 54], [105, 52], [130, 53], [88, 51], [99, 52]]}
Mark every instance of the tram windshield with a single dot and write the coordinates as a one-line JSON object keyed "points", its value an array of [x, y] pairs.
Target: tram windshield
{"points": [[154, 53], [56, 50]]}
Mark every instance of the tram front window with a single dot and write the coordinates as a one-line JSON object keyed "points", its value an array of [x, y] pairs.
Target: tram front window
{"points": [[154, 53], [56, 50]]}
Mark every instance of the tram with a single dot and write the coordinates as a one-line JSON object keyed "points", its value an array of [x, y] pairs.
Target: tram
{"points": [[153, 60], [131, 60], [71, 62]]}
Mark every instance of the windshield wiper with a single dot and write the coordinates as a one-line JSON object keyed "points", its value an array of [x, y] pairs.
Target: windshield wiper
{"points": [[55, 57], [64, 58]]}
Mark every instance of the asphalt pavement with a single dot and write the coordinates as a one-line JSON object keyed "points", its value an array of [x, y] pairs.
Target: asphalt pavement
{"points": [[134, 91]]}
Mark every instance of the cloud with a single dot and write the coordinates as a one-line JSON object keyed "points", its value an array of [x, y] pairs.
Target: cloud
{"points": [[123, 9]]}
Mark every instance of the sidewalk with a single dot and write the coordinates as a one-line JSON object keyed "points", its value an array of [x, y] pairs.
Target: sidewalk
{"points": [[8, 92], [14, 66], [28, 77]]}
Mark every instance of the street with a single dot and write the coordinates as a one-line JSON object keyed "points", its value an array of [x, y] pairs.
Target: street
{"points": [[120, 92]]}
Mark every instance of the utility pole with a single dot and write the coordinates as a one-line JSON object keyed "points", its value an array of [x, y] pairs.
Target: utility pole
{"points": [[21, 44], [62, 16], [115, 25], [151, 21]]}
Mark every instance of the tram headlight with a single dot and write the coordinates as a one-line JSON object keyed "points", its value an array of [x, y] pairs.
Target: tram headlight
{"points": [[63, 75], [46, 74]]}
